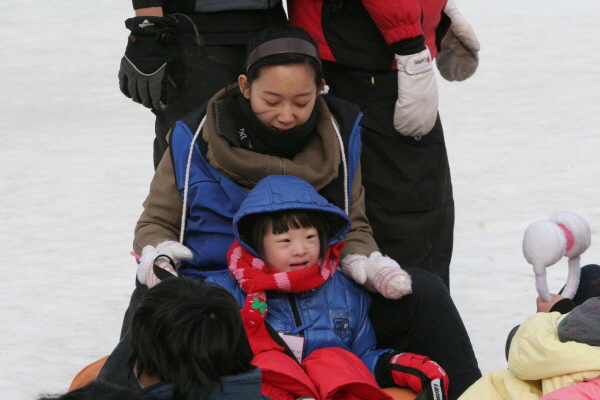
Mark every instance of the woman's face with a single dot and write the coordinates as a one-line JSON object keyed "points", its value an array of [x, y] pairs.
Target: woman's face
{"points": [[283, 96]]}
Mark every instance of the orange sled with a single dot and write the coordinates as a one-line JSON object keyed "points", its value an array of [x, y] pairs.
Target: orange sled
{"points": [[88, 374]]}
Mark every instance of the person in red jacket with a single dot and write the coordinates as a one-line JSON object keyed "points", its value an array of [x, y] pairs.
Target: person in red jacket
{"points": [[378, 54]]}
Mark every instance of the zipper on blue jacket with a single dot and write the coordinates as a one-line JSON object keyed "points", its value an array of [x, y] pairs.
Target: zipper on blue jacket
{"points": [[297, 319]]}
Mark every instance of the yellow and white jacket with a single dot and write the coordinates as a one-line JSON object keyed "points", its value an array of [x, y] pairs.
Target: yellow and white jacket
{"points": [[538, 363]]}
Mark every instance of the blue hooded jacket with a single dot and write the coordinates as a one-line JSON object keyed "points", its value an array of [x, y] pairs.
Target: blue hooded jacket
{"points": [[335, 314]]}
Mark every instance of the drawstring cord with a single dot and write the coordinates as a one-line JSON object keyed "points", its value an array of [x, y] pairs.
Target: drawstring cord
{"points": [[339, 136], [187, 180], [189, 163], [199, 39]]}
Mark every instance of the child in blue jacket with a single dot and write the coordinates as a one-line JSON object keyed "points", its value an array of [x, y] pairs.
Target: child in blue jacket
{"points": [[282, 272]]}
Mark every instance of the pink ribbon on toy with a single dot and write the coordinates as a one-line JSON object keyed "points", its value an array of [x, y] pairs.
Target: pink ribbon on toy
{"points": [[569, 236]]}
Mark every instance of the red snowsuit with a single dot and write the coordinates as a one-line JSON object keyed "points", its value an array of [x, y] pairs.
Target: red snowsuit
{"points": [[330, 373]]}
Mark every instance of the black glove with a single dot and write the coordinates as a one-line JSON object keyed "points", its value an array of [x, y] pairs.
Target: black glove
{"points": [[143, 71]]}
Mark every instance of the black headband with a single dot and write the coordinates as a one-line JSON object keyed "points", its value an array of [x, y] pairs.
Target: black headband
{"points": [[282, 46]]}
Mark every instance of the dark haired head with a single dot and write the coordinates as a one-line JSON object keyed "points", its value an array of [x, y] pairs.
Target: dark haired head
{"points": [[97, 391], [254, 227], [278, 32], [188, 333]]}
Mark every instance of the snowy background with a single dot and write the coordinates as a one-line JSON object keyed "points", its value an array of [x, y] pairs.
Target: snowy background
{"points": [[76, 161]]}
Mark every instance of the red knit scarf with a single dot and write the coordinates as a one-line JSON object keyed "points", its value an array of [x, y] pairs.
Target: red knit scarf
{"points": [[255, 277]]}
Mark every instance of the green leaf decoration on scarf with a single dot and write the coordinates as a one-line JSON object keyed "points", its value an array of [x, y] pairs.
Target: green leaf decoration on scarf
{"points": [[259, 305]]}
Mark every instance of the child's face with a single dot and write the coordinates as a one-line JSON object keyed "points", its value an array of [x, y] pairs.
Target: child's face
{"points": [[294, 250]]}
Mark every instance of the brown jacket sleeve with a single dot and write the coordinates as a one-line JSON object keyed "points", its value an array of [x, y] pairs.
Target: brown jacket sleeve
{"points": [[360, 238], [161, 218]]}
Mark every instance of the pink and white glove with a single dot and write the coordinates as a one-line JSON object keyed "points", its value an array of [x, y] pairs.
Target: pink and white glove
{"points": [[415, 111], [458, 57], [162, 261], [378, 273]]}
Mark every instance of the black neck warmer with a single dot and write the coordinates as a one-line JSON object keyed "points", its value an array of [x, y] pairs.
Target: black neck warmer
{"points": [[256, 136]]}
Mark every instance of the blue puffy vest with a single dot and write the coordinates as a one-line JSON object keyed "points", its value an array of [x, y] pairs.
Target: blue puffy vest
{"points": [[213, 199]]}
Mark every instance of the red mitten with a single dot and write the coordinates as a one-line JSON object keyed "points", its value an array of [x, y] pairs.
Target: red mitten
{"points": [[419, 373]]}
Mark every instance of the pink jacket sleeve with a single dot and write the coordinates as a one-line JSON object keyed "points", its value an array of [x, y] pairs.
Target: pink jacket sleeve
{"points": [[589, 390]]}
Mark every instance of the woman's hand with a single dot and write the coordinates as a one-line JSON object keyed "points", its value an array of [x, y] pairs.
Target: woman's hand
{"points": [[161, 261]]}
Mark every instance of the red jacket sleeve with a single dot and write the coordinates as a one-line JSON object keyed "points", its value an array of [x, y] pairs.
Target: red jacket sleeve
{"points": [[396, 19]]}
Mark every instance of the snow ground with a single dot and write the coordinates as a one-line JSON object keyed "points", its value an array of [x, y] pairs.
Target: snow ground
{"points": [[76, 160]]}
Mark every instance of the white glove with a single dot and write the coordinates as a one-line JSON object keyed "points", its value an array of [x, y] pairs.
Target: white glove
{"points": [[416, 109], [167, 256], [378, 273], [459, 55]]}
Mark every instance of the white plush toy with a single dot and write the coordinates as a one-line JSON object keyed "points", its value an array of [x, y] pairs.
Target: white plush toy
{"points": [[546, 242]]}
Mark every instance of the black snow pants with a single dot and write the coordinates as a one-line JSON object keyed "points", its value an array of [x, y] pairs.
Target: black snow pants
{"points": [[408, 191], [206, 58], [198, 73]]}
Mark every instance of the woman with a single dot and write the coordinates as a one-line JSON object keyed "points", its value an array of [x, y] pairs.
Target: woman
{"points": [[274, 121]]}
